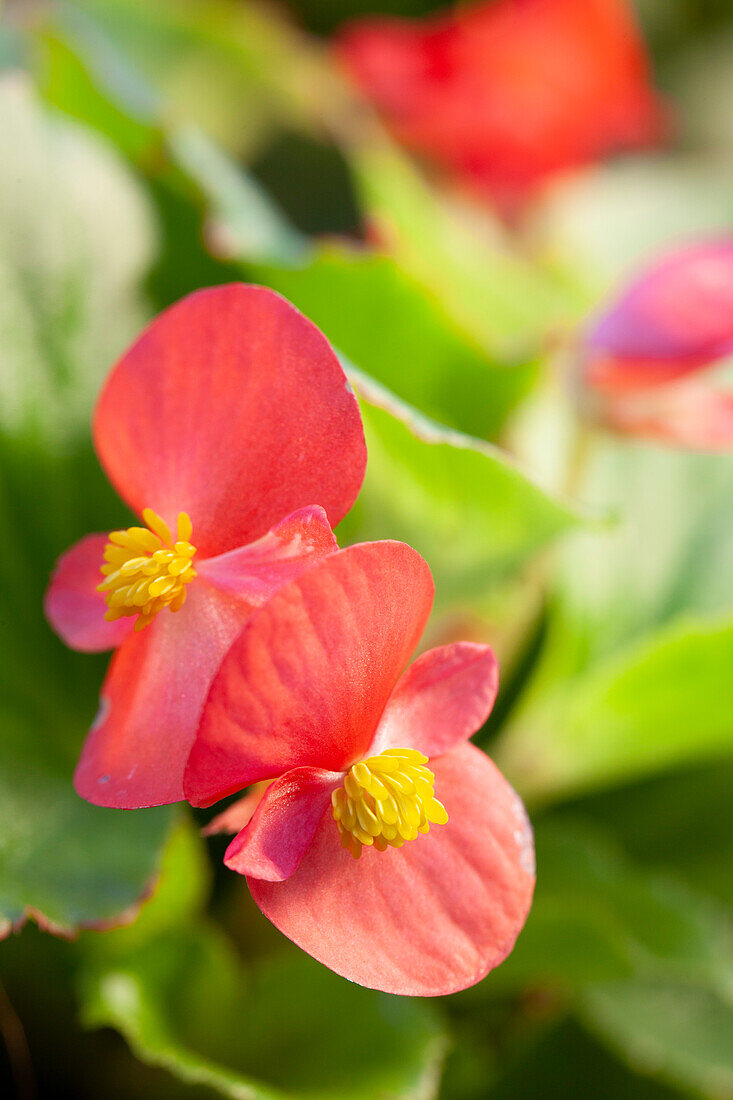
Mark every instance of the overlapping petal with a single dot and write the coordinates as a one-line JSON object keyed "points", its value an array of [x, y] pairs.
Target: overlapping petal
{"points": [[232, 407], [676, 317], [283, 825], [151, 701], [308, 679], [260, 568], [453, 86], [442, 699], [72, 604], [430, 918]]}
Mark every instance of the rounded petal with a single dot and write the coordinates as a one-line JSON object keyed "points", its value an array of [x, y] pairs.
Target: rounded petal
{"points": [[282, 828], [281, 555], [231, 407], [151, 701], [72, 604], [441, 700], [308, 679], [673, 319], [429, 918]]}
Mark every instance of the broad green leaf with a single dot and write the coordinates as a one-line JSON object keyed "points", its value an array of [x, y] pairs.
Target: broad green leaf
{"points": [[659, 703], [461, 502], [680, 822], [400, 334], [503, 301], [596, 917], [289, 1028], [76, 236], [679, 1032]]}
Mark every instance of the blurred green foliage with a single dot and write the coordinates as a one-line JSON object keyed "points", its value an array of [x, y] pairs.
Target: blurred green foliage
{"points": [[141, 136]]}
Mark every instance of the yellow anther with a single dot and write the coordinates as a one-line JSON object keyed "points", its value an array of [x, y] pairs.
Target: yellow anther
{"points": [[145, 571], [386, 800]]}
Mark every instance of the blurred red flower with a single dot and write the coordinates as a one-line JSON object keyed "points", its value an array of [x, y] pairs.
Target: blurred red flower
{"points": [[385, 845], [505, 95], [647, 361], [230, 412]]}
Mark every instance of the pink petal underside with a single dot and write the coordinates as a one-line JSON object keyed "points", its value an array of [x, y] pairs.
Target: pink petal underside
{"points": [[72, 604], [262, 567], [308, 679], [272, 845], [237, 815], [675, 318], [430, 918], [442, 699], [233, 407], [151, 701], [682, 414]]}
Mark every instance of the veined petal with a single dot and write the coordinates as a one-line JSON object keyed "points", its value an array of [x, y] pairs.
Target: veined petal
{"points": [[308, 679], [72, 604], [231, 407], [676, 317], [151, 701], [430, 918], [442, 699], [259, 569], [282, 828], [237, 815]]}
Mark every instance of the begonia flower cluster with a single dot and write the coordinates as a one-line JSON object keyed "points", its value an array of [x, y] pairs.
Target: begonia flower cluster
{"points": [[251, 653]]}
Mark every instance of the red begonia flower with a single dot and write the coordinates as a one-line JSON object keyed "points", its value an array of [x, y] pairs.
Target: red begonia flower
{"points": [[361, 754], [506, 94], [644, 361], [230, 412]]}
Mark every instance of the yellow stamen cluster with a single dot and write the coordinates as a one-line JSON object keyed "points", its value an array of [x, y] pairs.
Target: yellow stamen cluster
{"points": [[386, 800], [145, 570]]}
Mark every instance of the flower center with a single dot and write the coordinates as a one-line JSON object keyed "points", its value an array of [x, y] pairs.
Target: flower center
{"points": [[145, 570], [386, 800]]}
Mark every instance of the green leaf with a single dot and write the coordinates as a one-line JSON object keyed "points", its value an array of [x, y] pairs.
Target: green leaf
{"points": [[461, 502], [660, 703], [184, 1001], [506, 304], [681, 1033], [76, 236], [596, 918]]}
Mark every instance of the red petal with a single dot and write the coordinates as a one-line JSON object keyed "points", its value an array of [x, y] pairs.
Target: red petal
{"points": [[442, 699], [281, 555], [72, 604], [676, 317], [453, 86], [283, 825], [430, 918], [232, 407], [151, 701], [308, 679]]}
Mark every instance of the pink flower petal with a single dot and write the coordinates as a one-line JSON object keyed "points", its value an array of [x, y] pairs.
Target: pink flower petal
{"points": [[430, 918], [262, 567], [308, 679], [232, 407], [683, 414], [151, 701], [441, 700], [235, 817], [72, 604], [282, 828], [673, 319]]}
